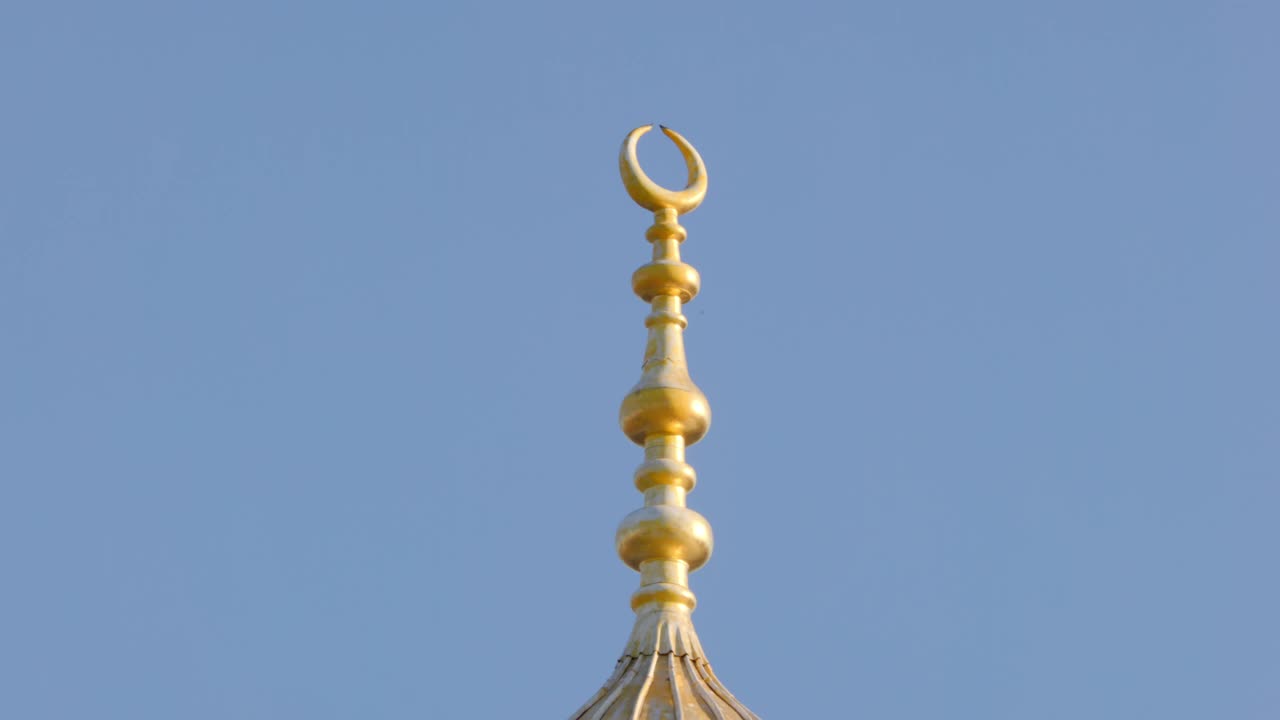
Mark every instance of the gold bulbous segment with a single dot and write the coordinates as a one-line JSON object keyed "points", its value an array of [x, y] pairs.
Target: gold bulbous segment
{"points": [[665, 278], [649, 411], [664, 532]]}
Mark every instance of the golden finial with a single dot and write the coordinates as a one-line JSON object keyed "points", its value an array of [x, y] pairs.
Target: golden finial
{"points": [[663, 671]]}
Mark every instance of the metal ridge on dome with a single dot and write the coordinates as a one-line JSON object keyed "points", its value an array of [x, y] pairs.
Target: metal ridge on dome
{"points": [[663, 672]]}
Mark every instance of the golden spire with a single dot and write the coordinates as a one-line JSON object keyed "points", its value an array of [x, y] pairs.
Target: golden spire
{"points": [[663, 671]]}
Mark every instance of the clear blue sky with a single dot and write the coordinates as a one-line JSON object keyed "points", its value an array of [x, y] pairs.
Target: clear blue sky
{"points": [[316, 318]]}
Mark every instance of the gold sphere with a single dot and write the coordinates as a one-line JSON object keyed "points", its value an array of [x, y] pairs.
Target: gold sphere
{"points": [[664, 532], [666, 278], [665, 411]]}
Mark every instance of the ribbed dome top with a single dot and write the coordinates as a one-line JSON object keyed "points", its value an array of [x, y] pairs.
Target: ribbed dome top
{"points": [[663, 675]]}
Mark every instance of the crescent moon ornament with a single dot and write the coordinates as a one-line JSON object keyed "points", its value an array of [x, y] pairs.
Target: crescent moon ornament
{"points": [[649, 194]]}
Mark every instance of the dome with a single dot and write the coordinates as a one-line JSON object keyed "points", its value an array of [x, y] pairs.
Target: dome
{"points": [[663, 675]]}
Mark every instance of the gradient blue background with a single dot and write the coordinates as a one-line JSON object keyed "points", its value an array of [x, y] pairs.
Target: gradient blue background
{"points": [[316, 317]]}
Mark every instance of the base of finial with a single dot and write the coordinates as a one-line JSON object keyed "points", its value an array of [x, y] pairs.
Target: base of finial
{"points": [[662, 666], [663, 629]]}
